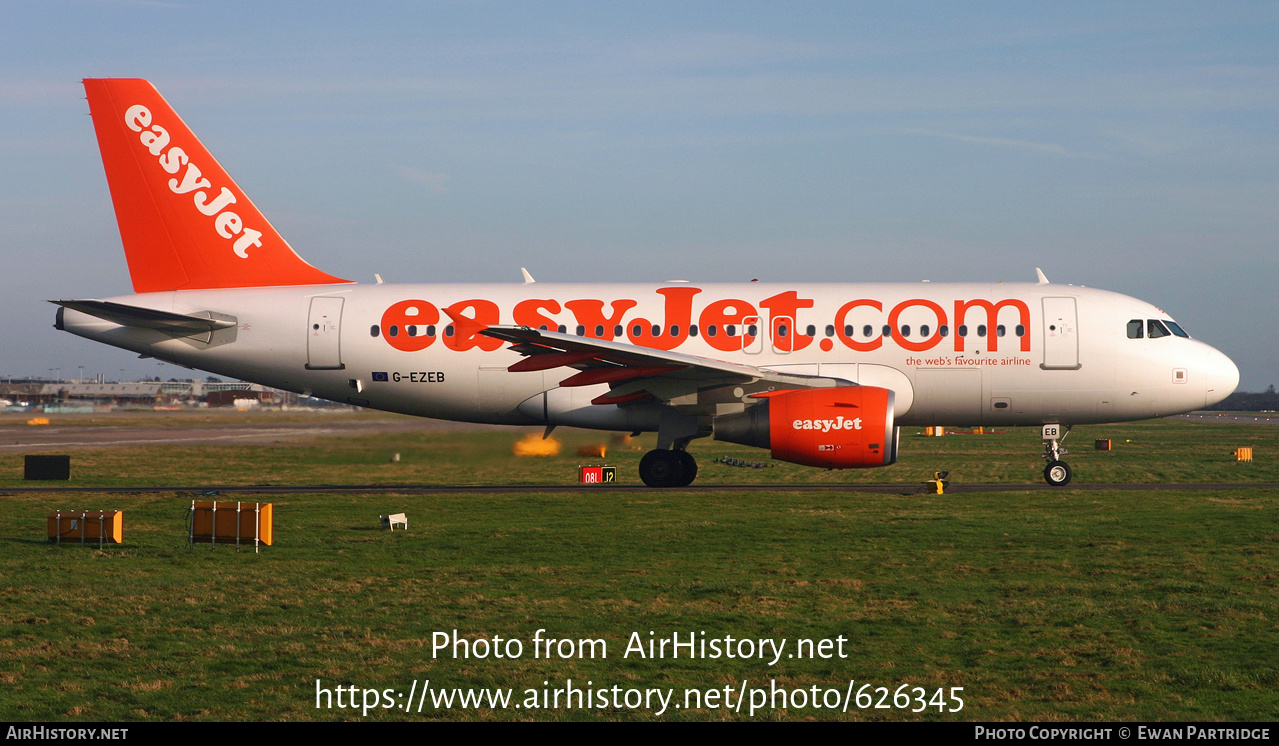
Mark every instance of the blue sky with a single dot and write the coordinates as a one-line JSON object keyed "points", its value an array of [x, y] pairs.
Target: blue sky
{"points": [[1128, 146]]}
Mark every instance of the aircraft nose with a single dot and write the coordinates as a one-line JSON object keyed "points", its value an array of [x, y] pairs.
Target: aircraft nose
{"points": [[1221, 376]]}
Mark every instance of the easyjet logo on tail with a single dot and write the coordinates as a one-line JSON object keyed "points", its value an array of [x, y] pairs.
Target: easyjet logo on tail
{"points": [[227, 224]]}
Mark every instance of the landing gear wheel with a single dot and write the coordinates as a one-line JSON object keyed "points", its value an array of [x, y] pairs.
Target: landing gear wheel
{"points": [[1057, 473], [662, 468], [689, 465]]}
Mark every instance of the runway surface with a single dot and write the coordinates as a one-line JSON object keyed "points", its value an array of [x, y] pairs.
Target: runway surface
{"points": [[1240, 418], [16, 436], [27, 439], [411, 489]]}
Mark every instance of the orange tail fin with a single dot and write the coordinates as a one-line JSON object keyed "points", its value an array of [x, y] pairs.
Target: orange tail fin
{"points": [[184, 222]]}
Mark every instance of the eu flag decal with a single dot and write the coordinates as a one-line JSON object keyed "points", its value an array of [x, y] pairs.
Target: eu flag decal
{"points": [[380, 376]]}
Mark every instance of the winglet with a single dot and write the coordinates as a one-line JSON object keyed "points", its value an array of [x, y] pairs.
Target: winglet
{"points": [[184, 221], [465, 326], [1043, 279]]}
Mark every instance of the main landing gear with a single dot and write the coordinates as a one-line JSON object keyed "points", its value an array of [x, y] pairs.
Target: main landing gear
{"points": [[669, 465], [1057, 472], [668, 468]]}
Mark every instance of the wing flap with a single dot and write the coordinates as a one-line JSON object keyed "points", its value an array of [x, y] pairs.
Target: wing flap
{"points": [[592, 376], [688, 382], [604, 352]]}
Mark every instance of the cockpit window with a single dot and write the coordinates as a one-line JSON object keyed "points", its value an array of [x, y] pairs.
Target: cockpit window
{"points": [[1177, 329], [1135, 328], [1155, 329]]}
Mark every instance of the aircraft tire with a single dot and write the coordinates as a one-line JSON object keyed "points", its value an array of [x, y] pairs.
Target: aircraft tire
{"points": [[662, 468], [689, 465], [1057, 473]]}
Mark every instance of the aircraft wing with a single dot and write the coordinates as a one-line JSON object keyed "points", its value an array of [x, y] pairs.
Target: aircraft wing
{"points": [[636, 373]]}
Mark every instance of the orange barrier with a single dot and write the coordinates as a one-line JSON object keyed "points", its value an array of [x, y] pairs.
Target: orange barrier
{"points": [[107, 526], [231, 522]]}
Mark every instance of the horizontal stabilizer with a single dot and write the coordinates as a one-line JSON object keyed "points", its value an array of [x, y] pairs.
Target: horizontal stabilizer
{"points": [[177, 324]]}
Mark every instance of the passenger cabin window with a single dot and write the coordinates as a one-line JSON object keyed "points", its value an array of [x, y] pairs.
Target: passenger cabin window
{"points": [[712, 330], [999, 330], [374, 330], [830, 330], [692, 330], [943, 330], [811, 331], [981, 330], [581, 330], [1135, 328], [888, 330], [923, 330], [963, 330], [617, 330], [1156, 329], [599, 330]]}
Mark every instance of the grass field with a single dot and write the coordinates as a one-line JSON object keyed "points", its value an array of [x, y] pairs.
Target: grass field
{"points": [[1153, 451], [1048, 605]]}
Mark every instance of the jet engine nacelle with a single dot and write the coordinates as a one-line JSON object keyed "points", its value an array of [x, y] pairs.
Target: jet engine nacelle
{"points": [[847, 427]]}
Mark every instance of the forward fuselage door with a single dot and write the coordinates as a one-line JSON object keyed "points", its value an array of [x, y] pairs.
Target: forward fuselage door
{"points": [[1061, 335], [324, 335]]}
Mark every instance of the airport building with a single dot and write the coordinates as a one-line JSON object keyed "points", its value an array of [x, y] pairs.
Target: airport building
{"points": [[88, 396]]}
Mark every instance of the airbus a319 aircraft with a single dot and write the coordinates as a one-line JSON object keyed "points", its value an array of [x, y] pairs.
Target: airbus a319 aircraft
{"points": [[820, 374]]}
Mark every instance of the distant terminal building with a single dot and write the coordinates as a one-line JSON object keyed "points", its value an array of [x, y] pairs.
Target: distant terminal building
{"points": [[71, 396], [119, 394], [241, 398]]}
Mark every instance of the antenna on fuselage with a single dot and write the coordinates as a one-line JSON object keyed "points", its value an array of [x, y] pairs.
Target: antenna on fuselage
{"points": [[1043, 279], [528, 279]]}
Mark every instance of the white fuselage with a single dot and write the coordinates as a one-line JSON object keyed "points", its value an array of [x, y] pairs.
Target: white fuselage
{"points": [[955, 353]]}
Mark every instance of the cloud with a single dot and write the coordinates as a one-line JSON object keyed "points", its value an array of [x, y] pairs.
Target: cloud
{"points": [[141, 3], [433, 182], [1005, 142]]}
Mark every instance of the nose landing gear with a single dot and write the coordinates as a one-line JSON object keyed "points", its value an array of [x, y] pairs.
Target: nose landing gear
{"points": [[1057, 472]]}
